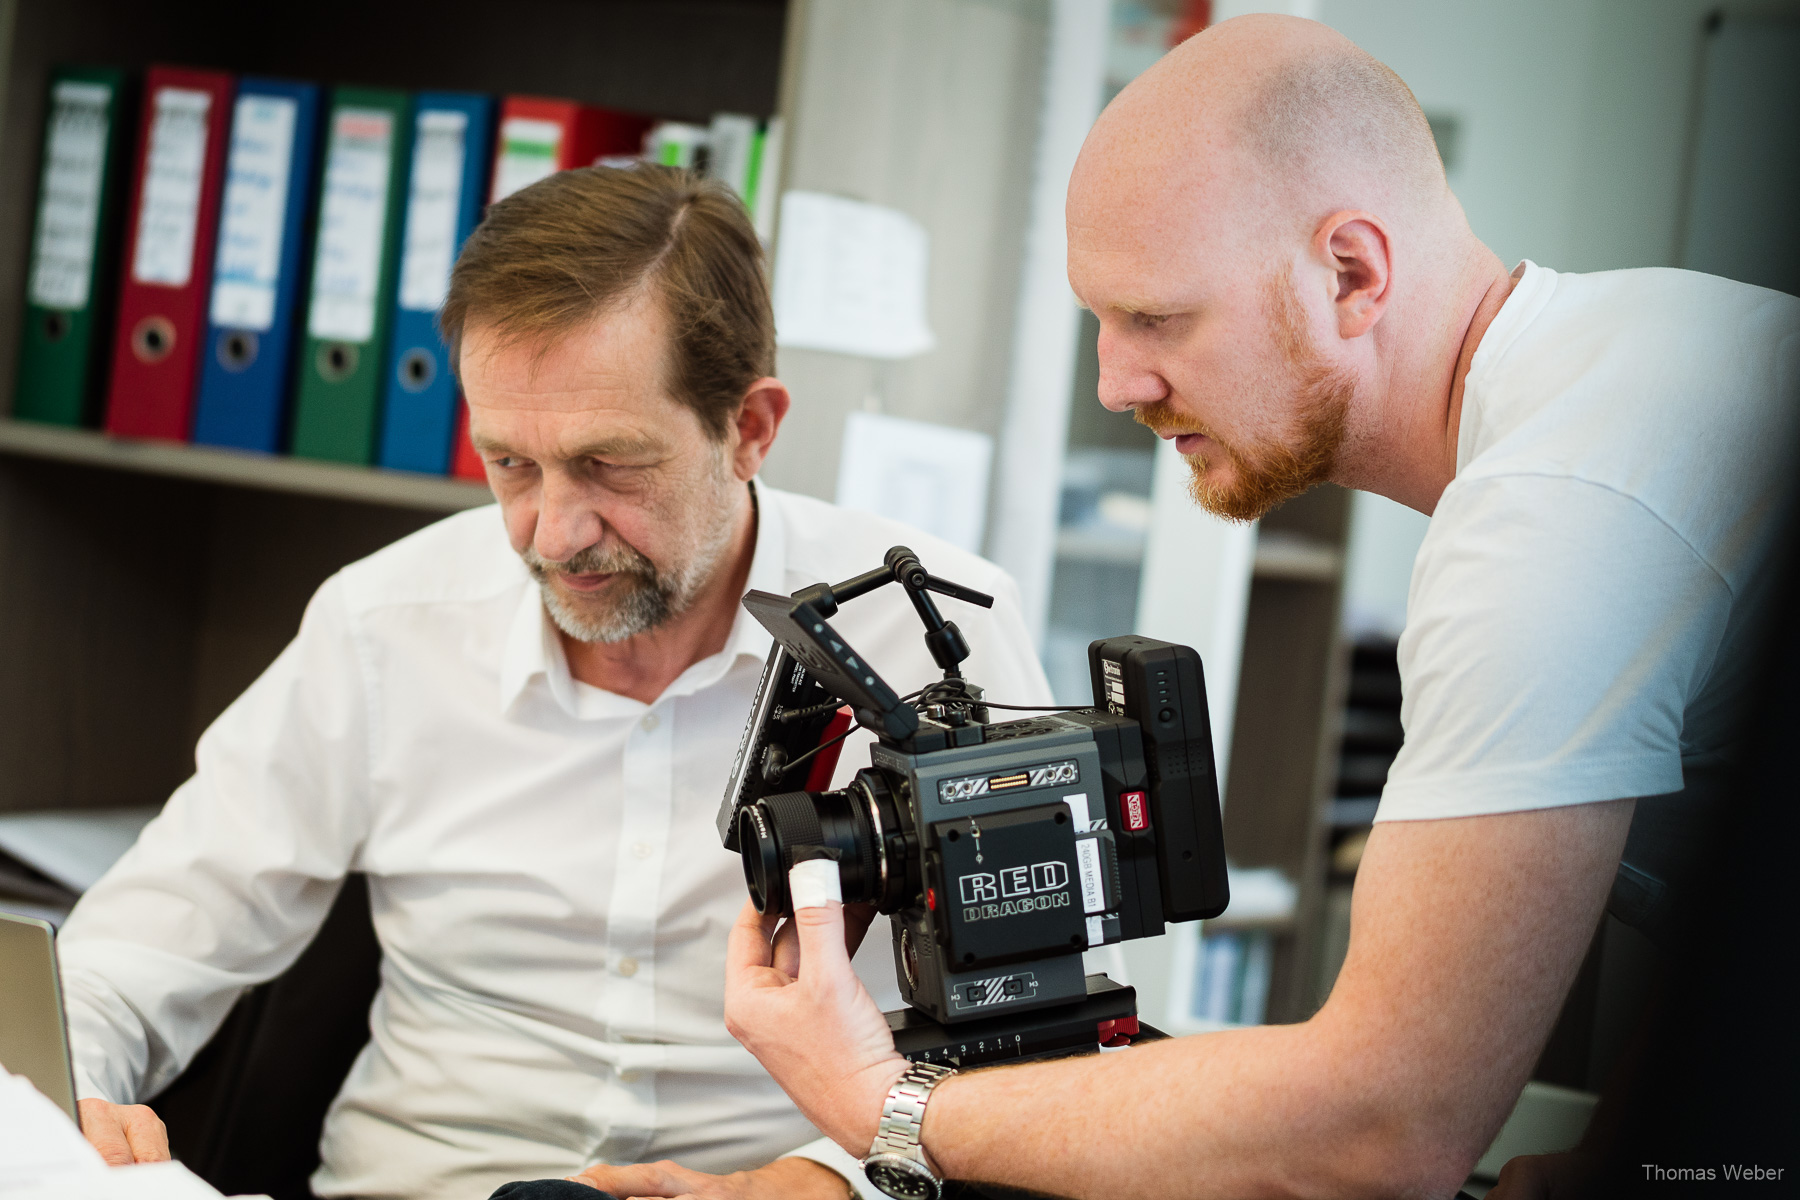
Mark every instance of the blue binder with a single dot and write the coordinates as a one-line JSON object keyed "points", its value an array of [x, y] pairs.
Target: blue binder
{"points": [[452, 140], [246, 364]]}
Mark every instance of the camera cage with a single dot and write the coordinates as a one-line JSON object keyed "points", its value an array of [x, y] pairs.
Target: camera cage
{"points": [[1159, 816]]}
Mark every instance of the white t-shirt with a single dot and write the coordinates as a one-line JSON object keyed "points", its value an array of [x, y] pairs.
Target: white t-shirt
{"points": [[1583, 610]]}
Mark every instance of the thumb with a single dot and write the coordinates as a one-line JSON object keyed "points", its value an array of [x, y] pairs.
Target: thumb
{"points": [[819, 918]]}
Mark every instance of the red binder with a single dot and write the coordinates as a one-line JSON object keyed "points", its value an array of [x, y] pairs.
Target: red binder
{"points": [[464, 462], [538, 137], [173, 216]]}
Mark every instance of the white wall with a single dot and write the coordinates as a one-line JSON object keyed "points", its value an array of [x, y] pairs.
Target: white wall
{"points": [[1574, 123], [1574, 114]]}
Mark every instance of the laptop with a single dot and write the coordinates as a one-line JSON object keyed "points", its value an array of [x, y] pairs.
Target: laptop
{"points": [[34, 1037]]}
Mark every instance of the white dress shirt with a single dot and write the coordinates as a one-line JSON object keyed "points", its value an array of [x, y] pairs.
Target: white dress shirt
{"points": [[548, 888]]}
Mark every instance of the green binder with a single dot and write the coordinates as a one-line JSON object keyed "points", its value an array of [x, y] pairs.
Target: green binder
{"points": [[337, 406], [66, 330]]}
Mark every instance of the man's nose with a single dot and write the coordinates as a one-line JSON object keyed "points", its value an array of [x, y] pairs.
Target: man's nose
{"points": [[1123, 390], [567, 523], [1125, 383]]}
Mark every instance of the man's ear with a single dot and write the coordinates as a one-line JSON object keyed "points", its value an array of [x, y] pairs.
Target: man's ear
{"points": [[758, 419], [1354, 246]]}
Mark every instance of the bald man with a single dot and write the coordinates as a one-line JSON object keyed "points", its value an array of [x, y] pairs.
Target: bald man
{"points": [[1286, 287]]}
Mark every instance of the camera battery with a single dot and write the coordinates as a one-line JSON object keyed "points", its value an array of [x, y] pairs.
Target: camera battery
{"points": [[1008, 887]]}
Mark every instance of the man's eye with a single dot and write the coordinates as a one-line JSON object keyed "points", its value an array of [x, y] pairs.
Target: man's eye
{"points": [[507, 462], [1149, 320]]}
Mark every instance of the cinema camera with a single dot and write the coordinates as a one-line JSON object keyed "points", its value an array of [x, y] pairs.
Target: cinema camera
{"points": [[1001, 851]]}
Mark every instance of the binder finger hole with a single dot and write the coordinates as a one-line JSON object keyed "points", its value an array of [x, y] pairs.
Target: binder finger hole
{"points": [[337, 361], [417, 370], [56, 326], [237, 350], [153, 339]]}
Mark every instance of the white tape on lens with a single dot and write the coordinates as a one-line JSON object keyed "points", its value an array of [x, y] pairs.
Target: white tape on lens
{"points": [[814, 882]]}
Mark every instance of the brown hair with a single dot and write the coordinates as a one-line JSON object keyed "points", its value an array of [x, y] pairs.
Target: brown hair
{"points": [[564, 250]]}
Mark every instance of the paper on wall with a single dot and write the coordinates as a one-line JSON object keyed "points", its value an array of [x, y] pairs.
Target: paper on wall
{"points": [[850, 277], [932, 477]]}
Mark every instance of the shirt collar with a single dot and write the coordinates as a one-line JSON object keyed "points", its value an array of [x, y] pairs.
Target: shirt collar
{"points": [[533, 648]]}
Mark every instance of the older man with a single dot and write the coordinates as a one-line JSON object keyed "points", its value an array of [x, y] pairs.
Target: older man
{"points": [[1287, 287], [518, 723]]}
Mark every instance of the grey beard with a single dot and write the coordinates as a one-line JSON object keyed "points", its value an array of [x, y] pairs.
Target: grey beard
{"points": [[643, 597], [645, 606]]}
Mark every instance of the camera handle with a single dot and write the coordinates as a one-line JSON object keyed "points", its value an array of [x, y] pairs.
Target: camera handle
{"points": [[945, 641]]}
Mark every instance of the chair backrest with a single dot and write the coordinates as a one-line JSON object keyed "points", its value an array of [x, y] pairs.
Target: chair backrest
{"points": [[246, 1114]]}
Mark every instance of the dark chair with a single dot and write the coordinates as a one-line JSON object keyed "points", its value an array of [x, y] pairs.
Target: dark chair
{"points": [[245, 1116]]}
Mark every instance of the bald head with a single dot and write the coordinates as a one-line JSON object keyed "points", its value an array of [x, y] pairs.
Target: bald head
{"points": [[1262, 224], [1274, 118]]}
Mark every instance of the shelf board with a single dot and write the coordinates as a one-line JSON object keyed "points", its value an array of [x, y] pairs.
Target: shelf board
{"points": [[1281, 555], [237, 468]]}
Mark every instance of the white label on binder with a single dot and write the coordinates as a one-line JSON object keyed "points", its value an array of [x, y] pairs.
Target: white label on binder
{"points": [[437, 179], [352, 218], [528, 151], [256, 193], [62, 266], [1093, 889], [169, 211]]}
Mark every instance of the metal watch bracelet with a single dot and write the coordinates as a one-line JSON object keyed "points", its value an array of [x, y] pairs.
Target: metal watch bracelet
{"points": [[903, 1114]]}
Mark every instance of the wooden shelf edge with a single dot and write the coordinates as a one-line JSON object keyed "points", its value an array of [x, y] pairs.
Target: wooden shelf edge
{"points": [[235, 468]]}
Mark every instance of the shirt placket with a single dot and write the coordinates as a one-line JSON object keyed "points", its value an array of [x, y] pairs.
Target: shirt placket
{"points": [[627, 1006]]}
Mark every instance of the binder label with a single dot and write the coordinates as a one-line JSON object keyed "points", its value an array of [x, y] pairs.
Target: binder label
{"points": [[347, 270], [437, 179], [170, 208], [256, 193], [62, 266], [528, 151]]}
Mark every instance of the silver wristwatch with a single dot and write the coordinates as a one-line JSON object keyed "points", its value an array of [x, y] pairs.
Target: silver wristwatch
{"points": [[896, 1163]]}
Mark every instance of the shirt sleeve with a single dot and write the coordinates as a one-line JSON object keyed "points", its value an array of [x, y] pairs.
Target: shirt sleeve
{"points": [[227, 886], [1002, 658], [1555, 632], [829, 1154]]}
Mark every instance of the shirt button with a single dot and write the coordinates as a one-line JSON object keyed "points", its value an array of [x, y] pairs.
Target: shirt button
{"points": [[649, 722], [630, 1076], [643, 850], [627, 967]]}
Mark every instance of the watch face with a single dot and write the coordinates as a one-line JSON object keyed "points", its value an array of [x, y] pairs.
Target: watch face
{"points": [[901, 1177]]}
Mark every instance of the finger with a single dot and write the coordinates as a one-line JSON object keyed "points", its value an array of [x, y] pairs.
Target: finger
{"points": [[824, 957], [786, 950], [748, 946], [100, 1124], [636, 1179], [147, 1135]]}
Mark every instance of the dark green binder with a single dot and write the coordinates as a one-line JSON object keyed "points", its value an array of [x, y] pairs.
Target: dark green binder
{"points": [[362, 194], [67, 327]]}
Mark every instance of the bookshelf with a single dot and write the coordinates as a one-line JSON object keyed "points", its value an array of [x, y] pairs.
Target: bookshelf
{"points": [[143, 585], [238, 469]]}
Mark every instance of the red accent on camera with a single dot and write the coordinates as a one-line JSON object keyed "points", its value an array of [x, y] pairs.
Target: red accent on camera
{"points": [[825, 765], [1117, 1032], [1135, 806], [931, 899]]}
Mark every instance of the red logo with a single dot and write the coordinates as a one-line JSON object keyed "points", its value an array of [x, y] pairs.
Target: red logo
{"points": [[1137, 813]]}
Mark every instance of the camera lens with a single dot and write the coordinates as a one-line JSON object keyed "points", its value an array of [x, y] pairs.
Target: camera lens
{"points": [[859, 826]]}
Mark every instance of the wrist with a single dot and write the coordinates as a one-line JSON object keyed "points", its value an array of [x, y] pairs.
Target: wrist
{"points": [[796, 1178], [881, 1080]]}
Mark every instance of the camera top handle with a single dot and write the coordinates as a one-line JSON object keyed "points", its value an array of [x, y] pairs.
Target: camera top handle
{"points": [[945, 641]]}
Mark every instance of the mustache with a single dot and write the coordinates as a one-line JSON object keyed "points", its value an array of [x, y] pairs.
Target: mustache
{"points": [[598, 559], [1162, 418]]}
